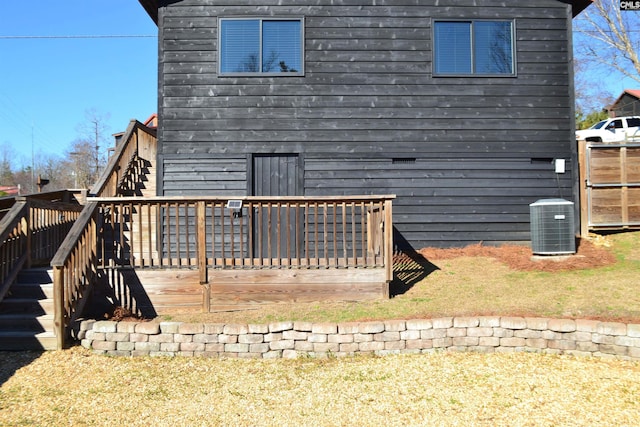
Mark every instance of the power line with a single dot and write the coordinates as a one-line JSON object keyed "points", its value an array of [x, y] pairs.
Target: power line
{"points": [[95, 36], [23, 123]]}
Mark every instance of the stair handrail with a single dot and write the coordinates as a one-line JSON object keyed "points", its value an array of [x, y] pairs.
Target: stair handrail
{"points": [[121, 160], [13, 239], [29, 229], [74, 269], [6, 203]]}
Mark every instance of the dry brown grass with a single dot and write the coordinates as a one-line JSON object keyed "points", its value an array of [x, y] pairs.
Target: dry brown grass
{"points": [[77, 388]]}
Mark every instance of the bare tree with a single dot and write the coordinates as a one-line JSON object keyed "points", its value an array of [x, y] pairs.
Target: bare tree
{"points": [[59, 172], [94, 131], [609, 37], [79, 168], [252, 63], [6, 173], [590, 98], [81, 160]]}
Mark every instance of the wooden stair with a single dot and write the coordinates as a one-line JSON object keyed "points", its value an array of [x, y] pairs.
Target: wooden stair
{"points": [[26, 313]]}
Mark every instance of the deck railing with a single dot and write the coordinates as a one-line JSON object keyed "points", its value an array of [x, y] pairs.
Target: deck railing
{"points": [[247, 232], [221, 233], [32, 230]]}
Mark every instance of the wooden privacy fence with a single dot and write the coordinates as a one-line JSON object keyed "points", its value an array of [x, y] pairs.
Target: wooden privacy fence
{"points": [[213, 252], [609, 186]]}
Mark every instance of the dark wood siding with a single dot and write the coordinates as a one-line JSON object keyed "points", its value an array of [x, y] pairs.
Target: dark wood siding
{"points": [[205, 175], [470, 153]]}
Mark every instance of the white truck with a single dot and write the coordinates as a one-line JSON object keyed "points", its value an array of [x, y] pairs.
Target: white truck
{"points": [[612, 130]]}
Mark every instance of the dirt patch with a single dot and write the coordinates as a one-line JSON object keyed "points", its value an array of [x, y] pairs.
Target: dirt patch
{"points": [[591, 253], [123, 314]]}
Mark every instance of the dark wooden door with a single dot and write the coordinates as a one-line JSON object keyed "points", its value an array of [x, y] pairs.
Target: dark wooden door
{"points": [[276, 231], [275, 175]]}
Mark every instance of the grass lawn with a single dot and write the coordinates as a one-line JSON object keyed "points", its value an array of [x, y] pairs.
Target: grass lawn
{"points": [[76, 387], [600, 282]]}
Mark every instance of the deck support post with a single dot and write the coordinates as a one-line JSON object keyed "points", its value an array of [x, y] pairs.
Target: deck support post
{"points": [[58, 298], [388, 245], [202, 241], [206, 298], [202, 254]]}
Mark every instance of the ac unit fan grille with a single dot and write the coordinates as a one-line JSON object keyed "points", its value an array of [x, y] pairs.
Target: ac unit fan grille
{"points": [[552, 227]]}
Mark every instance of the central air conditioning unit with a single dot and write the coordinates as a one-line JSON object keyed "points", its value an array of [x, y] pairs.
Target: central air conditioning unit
{"points": [[552, 227]]}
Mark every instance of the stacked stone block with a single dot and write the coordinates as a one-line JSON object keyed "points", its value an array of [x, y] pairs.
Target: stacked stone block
{"points": [[294, 339]]}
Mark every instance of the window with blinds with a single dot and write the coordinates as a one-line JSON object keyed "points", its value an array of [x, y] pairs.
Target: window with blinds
{"points": [[260, 46], [473, 47]]}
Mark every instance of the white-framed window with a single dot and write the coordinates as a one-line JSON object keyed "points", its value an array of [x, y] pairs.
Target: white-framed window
{"points": [[261, 46], [477, 47]]}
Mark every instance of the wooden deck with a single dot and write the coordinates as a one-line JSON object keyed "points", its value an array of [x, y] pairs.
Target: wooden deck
{"points": [[166, 254], [151, 292], [162, 254]]}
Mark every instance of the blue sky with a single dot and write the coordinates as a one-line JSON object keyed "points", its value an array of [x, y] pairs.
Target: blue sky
{"points": [[47, 85]]}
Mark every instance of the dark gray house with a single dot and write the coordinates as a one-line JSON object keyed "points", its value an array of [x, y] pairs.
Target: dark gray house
{"points": [[459, 107]]}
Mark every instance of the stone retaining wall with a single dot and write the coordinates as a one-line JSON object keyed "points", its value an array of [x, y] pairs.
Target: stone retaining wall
{"points": [[294, 339]]}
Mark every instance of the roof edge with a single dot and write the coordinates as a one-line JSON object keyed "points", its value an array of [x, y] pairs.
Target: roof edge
{"points": [[632, 92], [151, 6], [578, 6]]}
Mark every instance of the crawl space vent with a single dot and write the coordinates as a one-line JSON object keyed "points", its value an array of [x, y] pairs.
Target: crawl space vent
{"points": [[552, 227]]}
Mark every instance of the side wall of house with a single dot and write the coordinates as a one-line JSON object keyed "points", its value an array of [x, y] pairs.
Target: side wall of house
{"points": [[465, 155]]}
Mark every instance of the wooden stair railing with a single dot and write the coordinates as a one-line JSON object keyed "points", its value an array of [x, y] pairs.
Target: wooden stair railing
{"points": [[6, 203], [121, 164], [74, 270], [31, 231], [75, 264], [13, 241]]}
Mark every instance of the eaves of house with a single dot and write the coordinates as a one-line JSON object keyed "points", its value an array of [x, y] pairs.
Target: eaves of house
{"points": [[151, 6]]}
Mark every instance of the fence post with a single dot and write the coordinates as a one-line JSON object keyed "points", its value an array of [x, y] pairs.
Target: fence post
{"points": [[58, 306], [624, 189], [583, 194]]}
